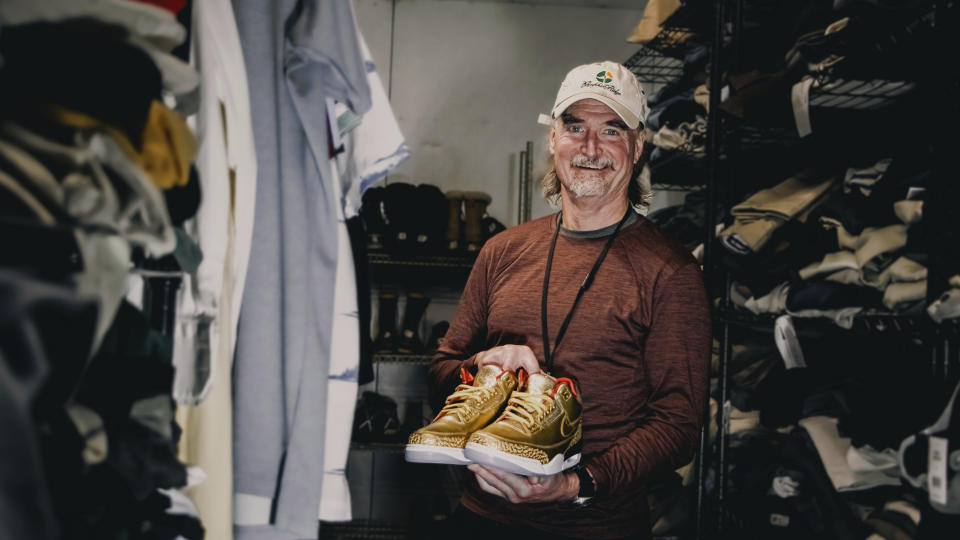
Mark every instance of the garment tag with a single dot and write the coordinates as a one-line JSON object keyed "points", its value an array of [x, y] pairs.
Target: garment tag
{"points": [[724, 93], [336, 143], [937, 470], [800, 97], [780, 520], [785, 337]]}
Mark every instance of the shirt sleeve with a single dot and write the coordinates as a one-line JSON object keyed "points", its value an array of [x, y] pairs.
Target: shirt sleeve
{"points": [[467, 333], [676, 368]]}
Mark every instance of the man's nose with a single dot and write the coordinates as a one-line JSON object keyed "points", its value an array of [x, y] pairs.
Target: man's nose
{"points": [[590, 144]]}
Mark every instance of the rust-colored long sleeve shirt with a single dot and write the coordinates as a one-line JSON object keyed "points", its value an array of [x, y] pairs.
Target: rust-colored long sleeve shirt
{"points": [[637, 347]]}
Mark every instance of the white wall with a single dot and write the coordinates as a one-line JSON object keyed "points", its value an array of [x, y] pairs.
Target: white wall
{"points": [[468, 80]]}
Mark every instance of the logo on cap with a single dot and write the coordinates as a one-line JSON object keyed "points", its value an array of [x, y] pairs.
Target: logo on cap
{"points": [[605, 77]]}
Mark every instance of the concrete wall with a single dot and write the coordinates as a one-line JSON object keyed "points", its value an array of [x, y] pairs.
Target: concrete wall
{"points": [[467, 80]]}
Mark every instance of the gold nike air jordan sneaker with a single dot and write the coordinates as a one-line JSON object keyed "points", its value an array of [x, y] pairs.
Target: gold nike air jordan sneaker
{"points": [[537, 434], [473, 405]]}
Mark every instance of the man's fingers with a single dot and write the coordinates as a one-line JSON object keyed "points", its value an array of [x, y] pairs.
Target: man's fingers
{"points": [[528, 360], [495, 480], [488, 488], [510, 358], [518, 484]]}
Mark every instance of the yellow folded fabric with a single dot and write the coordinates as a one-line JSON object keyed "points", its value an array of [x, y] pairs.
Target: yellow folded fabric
{"points": [[168, 147]]}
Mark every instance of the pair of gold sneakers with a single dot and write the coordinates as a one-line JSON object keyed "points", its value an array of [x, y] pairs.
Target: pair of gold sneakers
{"points": [[520, 423]]}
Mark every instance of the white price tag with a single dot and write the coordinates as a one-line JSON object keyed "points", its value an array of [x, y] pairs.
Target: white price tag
{"points": [[800, 97], [937, 470]]}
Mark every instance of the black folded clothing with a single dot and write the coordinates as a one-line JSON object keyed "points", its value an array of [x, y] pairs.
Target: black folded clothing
{"points": [[830, 295]]}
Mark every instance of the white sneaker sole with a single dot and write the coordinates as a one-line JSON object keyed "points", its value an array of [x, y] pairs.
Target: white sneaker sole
{"points": [[484, 455], [423, 453]]}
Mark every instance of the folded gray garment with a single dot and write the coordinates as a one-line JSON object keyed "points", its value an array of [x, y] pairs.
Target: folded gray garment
{"points": [[909, 212], [900, 296], [945, 307]]}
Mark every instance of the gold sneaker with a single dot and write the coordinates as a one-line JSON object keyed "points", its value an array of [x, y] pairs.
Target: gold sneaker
{"points": [[469, 408], [537, 434]]}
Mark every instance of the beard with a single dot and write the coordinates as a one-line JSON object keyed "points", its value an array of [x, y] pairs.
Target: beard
{"points": [[584, 183]]}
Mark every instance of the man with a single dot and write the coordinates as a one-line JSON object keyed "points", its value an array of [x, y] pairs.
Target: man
{"points": [[636, 344]]}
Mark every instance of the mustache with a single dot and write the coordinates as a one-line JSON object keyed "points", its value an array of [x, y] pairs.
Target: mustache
{"points": [[581, 160]]}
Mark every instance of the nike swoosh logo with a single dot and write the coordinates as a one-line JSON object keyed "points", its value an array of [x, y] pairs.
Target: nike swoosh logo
{"points": [[566, 428]]}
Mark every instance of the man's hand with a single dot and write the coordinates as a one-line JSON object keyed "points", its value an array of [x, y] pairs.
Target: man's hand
{"points": [[510, 358], [561, 487]]}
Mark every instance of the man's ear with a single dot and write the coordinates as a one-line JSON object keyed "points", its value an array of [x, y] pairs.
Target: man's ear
{"points": [[552, 141]]}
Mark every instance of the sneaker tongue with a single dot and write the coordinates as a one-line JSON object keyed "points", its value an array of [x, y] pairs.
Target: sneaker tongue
{"points": [[487, 375], [540, 383]]}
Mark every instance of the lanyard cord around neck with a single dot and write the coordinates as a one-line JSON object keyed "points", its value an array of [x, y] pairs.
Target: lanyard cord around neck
{"points": [[547, 355]]}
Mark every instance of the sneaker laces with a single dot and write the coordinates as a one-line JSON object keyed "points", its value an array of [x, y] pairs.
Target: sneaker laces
{"points": [[463, 398], [525, 409]]}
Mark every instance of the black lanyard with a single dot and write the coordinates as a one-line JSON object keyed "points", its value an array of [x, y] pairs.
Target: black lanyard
{"points": [[547, 355]]}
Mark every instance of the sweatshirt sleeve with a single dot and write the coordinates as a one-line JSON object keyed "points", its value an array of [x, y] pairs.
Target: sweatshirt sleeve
{"points": [[467, 333], [676, 368]]}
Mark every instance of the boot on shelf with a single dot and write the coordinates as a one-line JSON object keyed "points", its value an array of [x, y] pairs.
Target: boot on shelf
{"points": [[401, 210], [454, 204], [474, 207], [386, 342], [409, 341], [371, 213], [431, 219], [436, 336]]}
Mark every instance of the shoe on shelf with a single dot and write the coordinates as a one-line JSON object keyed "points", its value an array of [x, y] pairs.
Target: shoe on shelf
{"points": [[408, 342], [375, 419], [386, 340], [454, 219], [473, 405], [436, 336], [538, 433], [474, 207]]}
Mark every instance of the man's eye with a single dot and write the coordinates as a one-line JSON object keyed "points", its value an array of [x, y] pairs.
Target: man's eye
{"points": [[574, 128], [611, 131]]}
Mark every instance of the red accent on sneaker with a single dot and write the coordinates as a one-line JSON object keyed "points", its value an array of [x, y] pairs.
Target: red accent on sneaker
{"points": [[465, 376], [566, 381], [522, 377]]}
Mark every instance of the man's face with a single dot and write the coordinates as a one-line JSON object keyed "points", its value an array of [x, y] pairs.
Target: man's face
{"points": [[594, 151]]}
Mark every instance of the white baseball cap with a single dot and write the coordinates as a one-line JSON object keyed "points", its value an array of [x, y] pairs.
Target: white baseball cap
{"points": [[609, 83]]}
